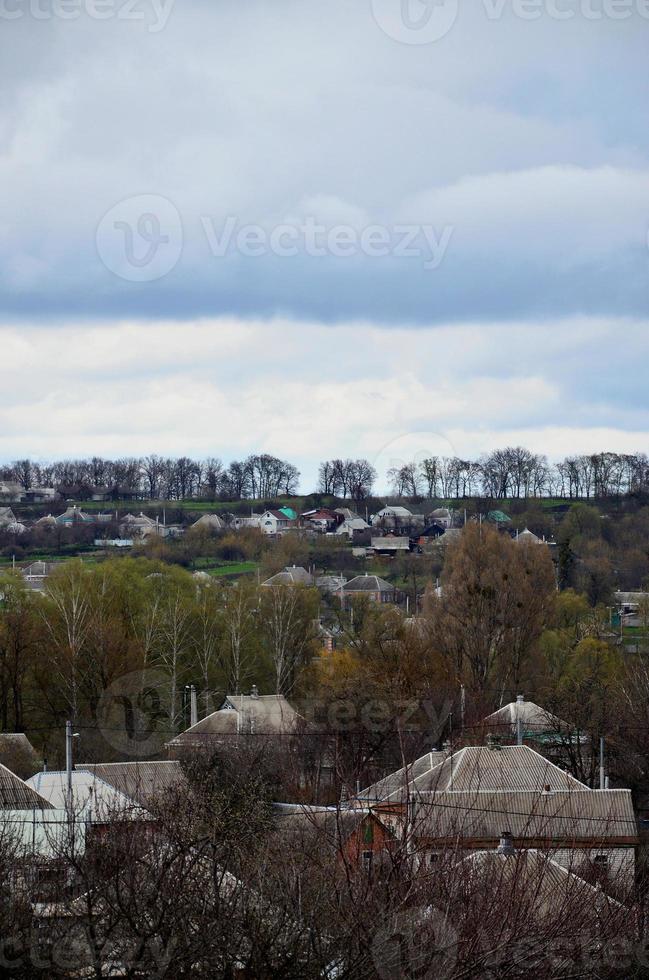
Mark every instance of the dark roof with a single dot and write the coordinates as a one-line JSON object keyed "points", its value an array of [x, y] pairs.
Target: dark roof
{"points": [[142, 782], [17, 795], [368, 583], [332, 825]]}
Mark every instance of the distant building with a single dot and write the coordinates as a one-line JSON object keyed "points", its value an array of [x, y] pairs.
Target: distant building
{"points": [[209, 522], [374, 588], [291, 575], [240, 714]]}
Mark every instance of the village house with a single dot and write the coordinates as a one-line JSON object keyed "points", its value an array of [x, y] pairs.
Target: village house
{"points": [[7, 517], [397, 519], [371, 587], [143, 782], [291, 575], [209, 522], [277, 521], [353, 527], [240, 714], [390, 545], [37, 573], [356, 838], [525, 719], [469, 799]]}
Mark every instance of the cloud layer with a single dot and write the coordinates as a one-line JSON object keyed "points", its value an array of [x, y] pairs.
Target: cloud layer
{"points": [[483, 202], [306, 391]]}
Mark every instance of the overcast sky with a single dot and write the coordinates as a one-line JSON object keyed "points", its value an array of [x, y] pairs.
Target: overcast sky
{"points": [[362, 227]]}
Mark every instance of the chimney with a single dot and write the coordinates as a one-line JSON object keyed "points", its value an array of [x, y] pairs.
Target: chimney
{"points": [[506, 845], [519, 721], [193, 706], [520, 698], [254, 691]]}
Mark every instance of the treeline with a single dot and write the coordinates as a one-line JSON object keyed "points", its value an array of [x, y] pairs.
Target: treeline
{"points": [[513, 472], [516, 472], [159, 478]]}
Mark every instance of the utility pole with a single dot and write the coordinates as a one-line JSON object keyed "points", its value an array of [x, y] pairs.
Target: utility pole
{"points": [[602, 775], [69, 735]]}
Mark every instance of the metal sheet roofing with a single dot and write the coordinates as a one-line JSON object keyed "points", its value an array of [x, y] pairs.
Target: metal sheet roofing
{"points": [[474, 768], [142, 782], [15, 794], [593, 815]]}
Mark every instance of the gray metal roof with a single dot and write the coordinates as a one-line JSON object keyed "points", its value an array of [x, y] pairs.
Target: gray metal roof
{"points": [[91, 796], [368, 583], [386, 787], [291, 575], [15, 794], [480, 768], [533, 718], [542, 885], [269, 714], [142, 782], [595, 815]]}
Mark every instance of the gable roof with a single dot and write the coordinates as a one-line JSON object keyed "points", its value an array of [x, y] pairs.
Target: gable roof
{"points": [[528, 537], [142, 782], [16, 794]]}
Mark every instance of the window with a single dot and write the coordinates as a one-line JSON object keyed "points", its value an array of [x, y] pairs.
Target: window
{"points": [[367, 857]]}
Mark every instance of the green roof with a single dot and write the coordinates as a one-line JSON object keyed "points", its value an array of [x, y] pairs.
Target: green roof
{"points": [[498, 516], [288, 512]]}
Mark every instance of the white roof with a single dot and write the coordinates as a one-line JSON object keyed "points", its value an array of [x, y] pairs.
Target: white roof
{"points": [[91, 796]]}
